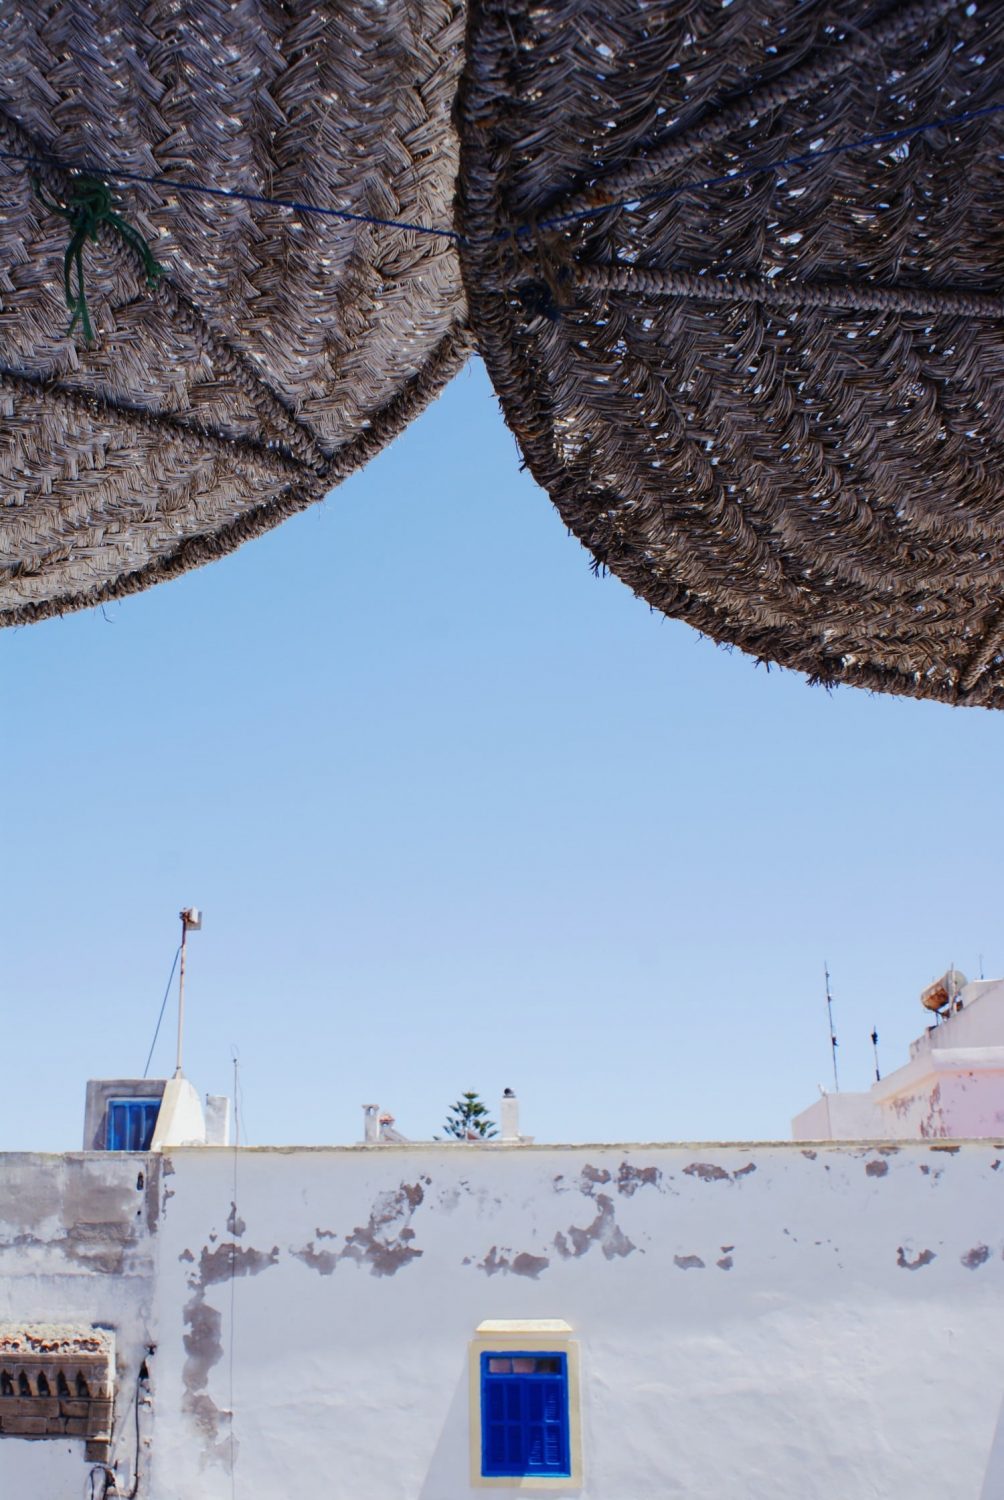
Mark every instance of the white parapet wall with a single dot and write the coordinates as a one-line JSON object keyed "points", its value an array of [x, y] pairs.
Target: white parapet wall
{"points": [[748, 1322]]}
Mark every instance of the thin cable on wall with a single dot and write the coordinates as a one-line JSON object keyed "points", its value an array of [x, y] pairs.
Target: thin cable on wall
{"points": [[235, 1054]]}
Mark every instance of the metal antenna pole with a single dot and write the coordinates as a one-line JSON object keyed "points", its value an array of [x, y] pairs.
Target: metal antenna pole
{"points": [[833, 1035], [191, 917], [878, 1075], [181, 990]]}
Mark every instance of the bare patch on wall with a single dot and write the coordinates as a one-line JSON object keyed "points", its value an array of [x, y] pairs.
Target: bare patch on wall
{"points": [[978, 1256], [630, 1179], [384, 1244], [321, 1261], [923, 1259], [688, 1262], [204, 1343], [522, 1264], [876, 1168], [94, 1214], [603, 1231], [707, 1171], [594, 1175], [227, 1261]]}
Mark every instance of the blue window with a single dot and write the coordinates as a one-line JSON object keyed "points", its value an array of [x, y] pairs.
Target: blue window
{"points": [[130, 1124], [524, 1414]]}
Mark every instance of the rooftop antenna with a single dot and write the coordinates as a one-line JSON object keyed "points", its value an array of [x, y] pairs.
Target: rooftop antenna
{"points": [[191, 921], [833, 1035], [878, 1075]]}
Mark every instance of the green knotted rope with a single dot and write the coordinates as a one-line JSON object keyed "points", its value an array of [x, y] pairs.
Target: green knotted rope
{"points": [[88, 205]]}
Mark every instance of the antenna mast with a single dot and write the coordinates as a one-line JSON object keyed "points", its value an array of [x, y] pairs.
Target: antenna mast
{"points": [[878, 1075], [833, 1035], [191, 918]]}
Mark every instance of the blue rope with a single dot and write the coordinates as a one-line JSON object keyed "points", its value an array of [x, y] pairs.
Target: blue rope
{"points": [[94, 169], [97, 169], [806, 158]]}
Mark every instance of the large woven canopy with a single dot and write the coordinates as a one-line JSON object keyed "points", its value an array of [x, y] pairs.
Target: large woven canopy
{"points": [[753, 353], [279, 349]]}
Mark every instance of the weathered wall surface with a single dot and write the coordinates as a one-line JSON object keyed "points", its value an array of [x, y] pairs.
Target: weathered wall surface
{"points": [[952, 1102], [77, 1237], [937, 1096], [755, 1322]]}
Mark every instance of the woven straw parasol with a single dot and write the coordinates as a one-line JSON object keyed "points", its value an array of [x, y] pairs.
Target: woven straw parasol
{"points": [[754, 354], [280, 349]]}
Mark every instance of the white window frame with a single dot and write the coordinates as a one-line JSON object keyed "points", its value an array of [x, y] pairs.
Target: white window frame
{"points": [[532, 1335]]}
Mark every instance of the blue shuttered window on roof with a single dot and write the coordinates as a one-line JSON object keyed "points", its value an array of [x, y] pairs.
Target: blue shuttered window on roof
{"points": [[130, 1124], [524, 1414]]}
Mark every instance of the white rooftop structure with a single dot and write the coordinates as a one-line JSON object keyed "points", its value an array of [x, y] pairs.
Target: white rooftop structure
{"points": [[952, 1087]]}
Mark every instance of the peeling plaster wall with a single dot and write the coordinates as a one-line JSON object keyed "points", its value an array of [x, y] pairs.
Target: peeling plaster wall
{"points": [[951, 1103], [761, 1322], [756, 1322], [77, 1238], [935, 1097]]}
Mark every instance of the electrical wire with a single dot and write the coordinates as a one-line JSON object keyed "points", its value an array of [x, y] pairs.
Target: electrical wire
{"points": [[233, 1277], [163, 1007], [134, 1490], [110, 1485]]}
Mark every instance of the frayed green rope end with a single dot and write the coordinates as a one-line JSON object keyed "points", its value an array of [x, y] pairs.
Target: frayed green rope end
{"points": [[88, 205]]}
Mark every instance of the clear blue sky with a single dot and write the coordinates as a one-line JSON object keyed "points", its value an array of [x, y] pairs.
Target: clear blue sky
{"points": [[461, 814]]}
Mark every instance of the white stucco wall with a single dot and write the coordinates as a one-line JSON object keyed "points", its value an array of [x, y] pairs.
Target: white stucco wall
{"points": [[758, 1322], [843, 1117]]}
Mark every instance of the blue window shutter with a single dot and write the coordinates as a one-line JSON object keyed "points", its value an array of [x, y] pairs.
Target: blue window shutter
{"points": [[524, 1415], [130, 1124]]}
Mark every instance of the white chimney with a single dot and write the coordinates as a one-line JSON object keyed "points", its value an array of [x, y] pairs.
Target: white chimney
{"points": [[371, 1124], [217, 1120], [509, 1116]]}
